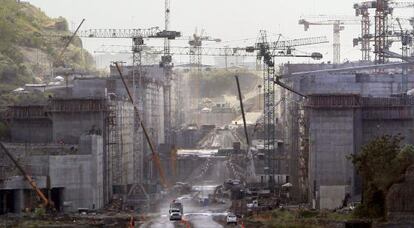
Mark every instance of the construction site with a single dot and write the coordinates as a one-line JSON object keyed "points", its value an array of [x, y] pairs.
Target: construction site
{"points": [[265, 129]]}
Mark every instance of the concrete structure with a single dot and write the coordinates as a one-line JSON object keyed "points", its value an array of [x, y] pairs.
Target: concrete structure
{"points": [[72, 175], [114, 164], [220, 115], [147, 91], [343, 112]]}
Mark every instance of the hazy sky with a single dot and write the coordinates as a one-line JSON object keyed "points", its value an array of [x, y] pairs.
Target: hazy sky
{"points": [[230, 20]]}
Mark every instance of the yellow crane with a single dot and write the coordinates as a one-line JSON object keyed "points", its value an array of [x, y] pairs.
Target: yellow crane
{"points": [[46, 202]]}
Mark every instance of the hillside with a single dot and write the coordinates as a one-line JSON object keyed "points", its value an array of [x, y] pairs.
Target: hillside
{"points": [[218, 82], [30, 42]]}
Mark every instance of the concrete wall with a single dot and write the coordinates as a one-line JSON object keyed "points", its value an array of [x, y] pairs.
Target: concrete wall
{"points": [[376, 128], [335, 133], [216, 118], [123, 155], [75, 114], [81, 176], [89, 87], [331, 197], [331, 134], [331, 140], [31, 131], [367, 85], [186, 166], [149, 100], [69, 126]]}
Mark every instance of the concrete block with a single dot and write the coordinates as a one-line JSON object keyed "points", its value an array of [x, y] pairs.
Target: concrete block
{"points": [[331, 197]]}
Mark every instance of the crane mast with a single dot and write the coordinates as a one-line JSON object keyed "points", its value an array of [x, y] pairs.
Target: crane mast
{"points": [[269, 118], [263, 51], [137, 36], [338, 25], [196, 42], [380, 37], [166, 63], [365, 34], [383, 8]]}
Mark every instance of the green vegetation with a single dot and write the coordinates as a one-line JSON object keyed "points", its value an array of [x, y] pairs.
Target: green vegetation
{"points": [[30, 42], [381, 163], [39, 212], [298, 218]]}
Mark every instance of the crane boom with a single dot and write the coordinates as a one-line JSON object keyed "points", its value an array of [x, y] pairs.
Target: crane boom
{"points": [[285, 44], [337, 22], [153, 32], [250, 171], [396, 4], [155, 155], [32, 183], [388, 4], [237, 51], [70, 40]]}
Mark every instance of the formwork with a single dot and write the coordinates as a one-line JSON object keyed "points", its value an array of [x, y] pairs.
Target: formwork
{"points": [[373, 108]]}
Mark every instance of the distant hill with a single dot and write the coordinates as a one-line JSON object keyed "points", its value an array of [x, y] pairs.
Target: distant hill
{"points": [[218, 82], [30, 42]]}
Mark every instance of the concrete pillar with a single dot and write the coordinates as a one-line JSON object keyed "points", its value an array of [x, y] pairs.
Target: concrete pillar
{"points": [[18, 196], [3, 203]]}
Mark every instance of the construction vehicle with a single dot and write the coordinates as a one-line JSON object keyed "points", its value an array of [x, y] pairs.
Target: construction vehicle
{"points": [[155, 155], [176, 210], [251, 171], [231, 219]]}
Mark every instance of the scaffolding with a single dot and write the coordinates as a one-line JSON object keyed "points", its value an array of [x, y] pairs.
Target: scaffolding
{"points": [[303, 158], [77, 105], [112, 141]]}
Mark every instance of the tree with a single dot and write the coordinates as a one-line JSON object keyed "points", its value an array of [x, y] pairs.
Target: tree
{"points": [[380, 164]]}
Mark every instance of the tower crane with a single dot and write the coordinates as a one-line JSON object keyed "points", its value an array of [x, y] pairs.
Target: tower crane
{"points": [[366, 36], [166, 63], [137, 36], [284, 48], [338, 25], [383, 8], [264, 51], [406, 41], [196, 42], [47, 203]]}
